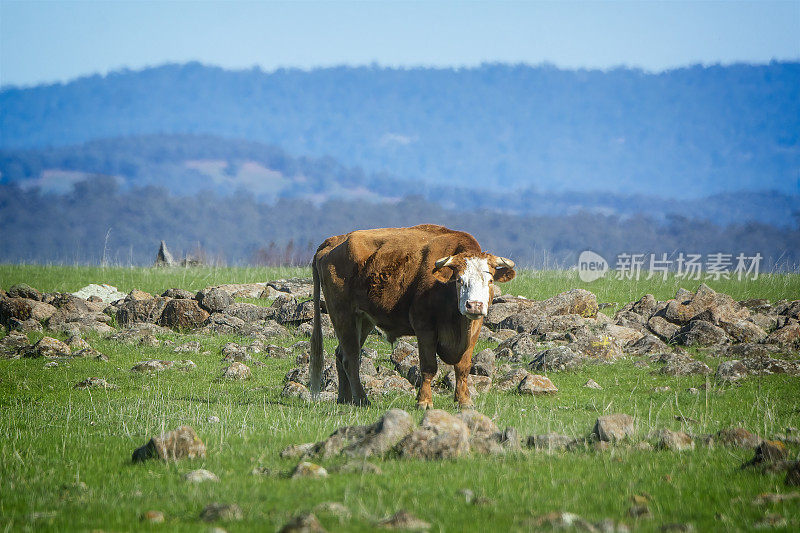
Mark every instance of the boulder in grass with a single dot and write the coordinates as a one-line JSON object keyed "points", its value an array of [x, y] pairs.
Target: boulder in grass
{"points": [[236, 371], [136, 308], [227, 512], [303, 523], [405, 521], [615, 427], [439, 436], [180, 443], [182, 315], [536, 385], [23, 290], [214, 300], [48, 347]]}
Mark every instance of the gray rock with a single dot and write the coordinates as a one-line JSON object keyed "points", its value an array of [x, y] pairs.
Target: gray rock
{"points": [[178, 294], [646, 345], [297, 287], [534, 384], [557, 359], [200, 476], [303, 523], [134, 310], [307, 469], [483, 363], [106, 293], [214, 300], [611, 428], [293, 389], [701, 333], [440, 436], [236, 371], [180, 443], [673, 440], [226, 512], [182, 315], [404, 520], [249, 312], [23, 290], [663, 328], [48, 347], [550, 442]]}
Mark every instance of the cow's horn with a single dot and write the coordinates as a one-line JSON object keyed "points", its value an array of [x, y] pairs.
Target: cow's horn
{"points": [[504, 262], [444, 261]]}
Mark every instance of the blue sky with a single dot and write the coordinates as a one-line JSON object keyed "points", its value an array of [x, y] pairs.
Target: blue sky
{"points": [[61, 40]]}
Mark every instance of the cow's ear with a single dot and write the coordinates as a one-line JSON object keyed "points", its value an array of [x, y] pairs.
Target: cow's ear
{"points": [[502, 274], [444, 274], [504, 269]]}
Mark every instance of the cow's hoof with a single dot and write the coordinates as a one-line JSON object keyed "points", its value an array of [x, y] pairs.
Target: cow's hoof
{"points": [[424, 406], [362, 402], [465, 406]]}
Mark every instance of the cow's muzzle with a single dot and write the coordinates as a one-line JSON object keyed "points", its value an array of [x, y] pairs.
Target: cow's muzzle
{"points": [[475, 309]]}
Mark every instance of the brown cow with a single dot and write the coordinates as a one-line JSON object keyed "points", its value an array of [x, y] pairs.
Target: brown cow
{"points": [[427, 281]]}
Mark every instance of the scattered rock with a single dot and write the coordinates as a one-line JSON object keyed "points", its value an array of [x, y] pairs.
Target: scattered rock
{"points": [[483, 363], [292, 389], [557, 359], [188, 347], [182, 315], [107, 293], [592, 384], [236, 371], [153, 517], [221, 511], [180, 443], [94, 383], [673, 440], [77, 343], [155, 365], [360, 467], [23, 290], [404, 520], [685, 366], [178, 294], [440, 436], [738, 437], [574, 302], [731, 371], [303, 523], [141, 307], [616, 427], [199, 476], [550, 442], [701, 333], [767, 453], [511, 379], [48, 347], [309, 470], [381, 436], [535, 384], [214, 300]]}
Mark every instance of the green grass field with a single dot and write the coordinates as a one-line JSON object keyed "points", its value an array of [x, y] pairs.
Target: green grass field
{"points": [[65, 453]]}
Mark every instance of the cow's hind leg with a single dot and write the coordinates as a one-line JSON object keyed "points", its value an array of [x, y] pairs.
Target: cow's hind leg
{"points": [[345, 394], [348, 359]]}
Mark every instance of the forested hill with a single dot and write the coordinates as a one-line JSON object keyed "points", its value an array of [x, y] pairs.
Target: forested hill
{"points": [[684, 133], [186, 165]]}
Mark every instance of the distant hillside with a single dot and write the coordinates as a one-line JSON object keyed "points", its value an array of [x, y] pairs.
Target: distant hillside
{"points": [[186, 165], [98, 221], [686, 133]]}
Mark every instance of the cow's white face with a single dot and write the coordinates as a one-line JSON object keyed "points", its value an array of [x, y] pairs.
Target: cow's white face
{"points": [[474, 288], [474, 276]]}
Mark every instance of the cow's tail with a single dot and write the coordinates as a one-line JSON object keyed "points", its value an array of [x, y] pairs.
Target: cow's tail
{"points": [[316, 336]]}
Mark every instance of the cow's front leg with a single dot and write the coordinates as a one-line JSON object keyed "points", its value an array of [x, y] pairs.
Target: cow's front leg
{"points": [[428, 368], [462, 369]]}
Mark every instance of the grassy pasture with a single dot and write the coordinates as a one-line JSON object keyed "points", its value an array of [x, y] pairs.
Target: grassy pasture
{"points": [[65, 453]]}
